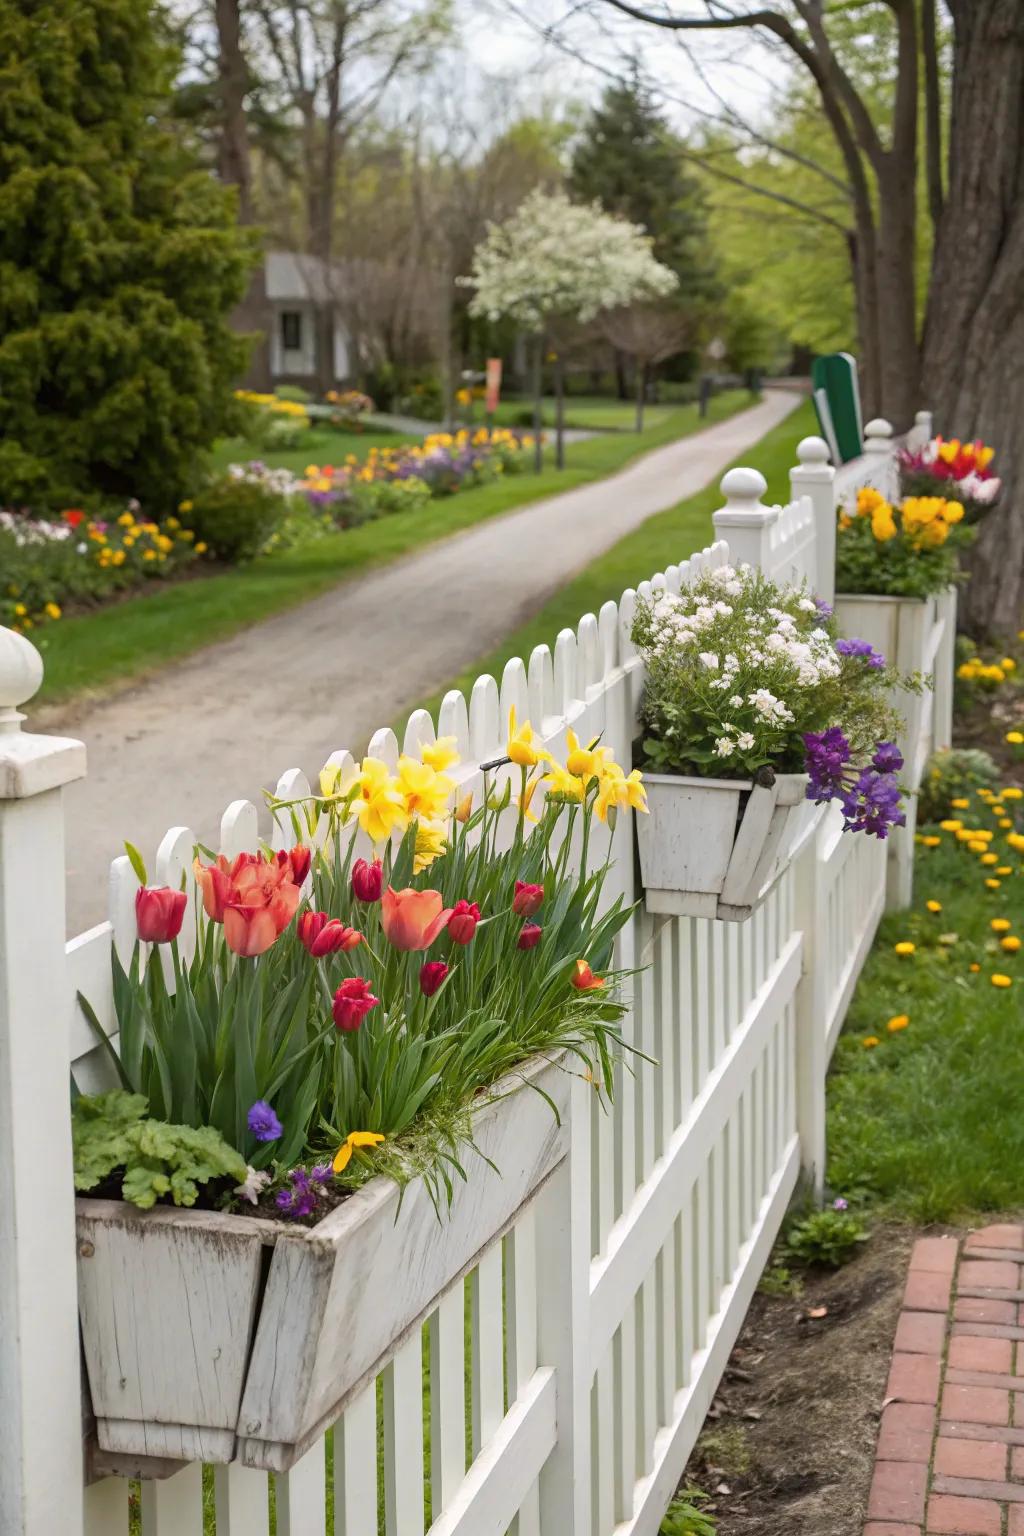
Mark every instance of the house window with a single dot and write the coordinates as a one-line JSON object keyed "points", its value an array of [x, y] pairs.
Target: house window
{"points": [[291, 330]]}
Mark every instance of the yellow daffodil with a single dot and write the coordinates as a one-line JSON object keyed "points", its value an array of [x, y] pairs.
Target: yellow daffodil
{"points": [[380, 804], [619, 790], [440, 754], [584, 762], [464, 809], [522, 747], [427, 792], [523, 801], [355, 1139], [431, 842], [897, 1022], [999, 980], [904, 947], [562, 784]]}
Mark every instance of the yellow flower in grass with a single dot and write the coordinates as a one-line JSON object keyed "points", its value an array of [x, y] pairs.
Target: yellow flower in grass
{"points": [[976, 845], [1000, 925], [960, 805], [974, 967], [999, 980], [200, 548], [990, 858], [993, 885], [440, 754], [1015, 738], [965, 835], [427, 792], [870, 1041], [20, 610], [1010, 943], [934, 906], [1012, 792], [380, 804], [126, 520], [951, 825], [1004, 869], [931, 841], [984, 835], [897, 1022], [905, 947], [619, 790], [354, 1140], [431, 842], [1004, 823], [523, 747], [1016, 841]]}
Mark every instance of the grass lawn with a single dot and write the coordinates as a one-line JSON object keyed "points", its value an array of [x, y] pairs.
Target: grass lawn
{"points": [[130, 638], [929, 1121], [320, 445], [591, 412], [663, 539]]}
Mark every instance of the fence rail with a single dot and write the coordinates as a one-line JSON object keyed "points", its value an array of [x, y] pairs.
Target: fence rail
{"points": [[557, 1386]]}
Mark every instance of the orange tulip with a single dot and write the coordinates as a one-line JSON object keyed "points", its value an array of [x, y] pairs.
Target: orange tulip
{"points": [[412, 919], [254, 897], [583, 978]]}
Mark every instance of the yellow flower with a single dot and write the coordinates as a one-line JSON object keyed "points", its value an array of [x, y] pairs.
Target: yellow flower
{"points": [[960, 805], [1011, 792], [1016, 841], [149, 554], [1003, 869], [52, 611], [1015, 738], [426, 791], [185, 506], [172, 522], [870, 1041], [868, 499], [951, 825], [440, 754], [380, 805], [200, 548], [1008, 664], [522, 802], [118, 557], [343, 1156], [904, 947], [522, 748], [993, 885], [966, 835], [897, 1022], [20, 610], [976, 845], [1011, 943], [464, 809], [999, 980], [126, 519], [619, 790], [931, 841], [953, 511], [990, 858], [584, 762], [1000, 925], [1004, 823], [563, 784], [974, 967], [934, 906], [430, 844], [883, 525]]}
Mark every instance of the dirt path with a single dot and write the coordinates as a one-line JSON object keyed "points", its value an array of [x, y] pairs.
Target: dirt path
{"points": [[178, 748]]}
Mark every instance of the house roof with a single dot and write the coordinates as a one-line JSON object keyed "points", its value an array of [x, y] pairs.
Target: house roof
{"points": [[294, 276]]}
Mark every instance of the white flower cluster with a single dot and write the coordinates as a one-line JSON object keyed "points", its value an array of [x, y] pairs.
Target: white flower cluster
{"points": [[281, 482], [33, 530], [557, 258]]}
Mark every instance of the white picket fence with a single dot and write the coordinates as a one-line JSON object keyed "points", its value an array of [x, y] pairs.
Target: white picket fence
{"points": [[557, 1388]]}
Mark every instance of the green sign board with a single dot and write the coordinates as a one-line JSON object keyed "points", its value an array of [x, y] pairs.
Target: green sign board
{"points": [[837, 402]]}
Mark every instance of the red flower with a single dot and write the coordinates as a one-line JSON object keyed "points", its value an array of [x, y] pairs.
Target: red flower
{"points": [[323, 935], [527, 899], [529, 936], [583, 978], [73, 516], [413, 919], [367, 880], [158, 913], [431, 976], [299, 859], [352, 1002], [255, 898], [463, 921]]}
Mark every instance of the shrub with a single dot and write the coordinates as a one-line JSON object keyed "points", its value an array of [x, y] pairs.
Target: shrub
{"points": [[237, 513], [830, 1237], [952, 775]]}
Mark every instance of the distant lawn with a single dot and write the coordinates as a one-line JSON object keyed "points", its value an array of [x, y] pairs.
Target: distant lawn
{"points": [[595, 413], [664, 539], [320, 445], [128, 639]]}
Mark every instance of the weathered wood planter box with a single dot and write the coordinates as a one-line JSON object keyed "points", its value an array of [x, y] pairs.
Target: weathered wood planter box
{"points": [[715, 847], [211, 1337], [906, 631]]}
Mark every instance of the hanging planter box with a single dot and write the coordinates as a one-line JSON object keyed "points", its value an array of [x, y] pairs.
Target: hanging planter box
{"points": [[212, 1337], [715, 847]]}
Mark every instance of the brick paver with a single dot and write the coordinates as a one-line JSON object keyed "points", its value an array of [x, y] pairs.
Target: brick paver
{"points": [[950, 1453]]}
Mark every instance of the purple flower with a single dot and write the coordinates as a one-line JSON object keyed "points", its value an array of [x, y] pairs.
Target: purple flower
{"points": [[888, 758], [824, 610], [840, 1204], [306, 1188], [323, 1173], [862, 648], [827, 754], [872, 804], [262, 1122]]}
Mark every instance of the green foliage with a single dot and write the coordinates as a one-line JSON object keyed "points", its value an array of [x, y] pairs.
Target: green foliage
{"points": [[112, 1132], [236, 515], [685, 1515], [629, 160], [952, 775], [778, 1280], [828, 1237], [120, 260]]}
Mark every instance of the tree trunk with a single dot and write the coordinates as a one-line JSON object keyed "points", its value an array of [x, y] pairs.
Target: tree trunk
{"points": [[974, 333], [538, 380], [559, 412], [233, 161], [641, 393], [899, 359]]}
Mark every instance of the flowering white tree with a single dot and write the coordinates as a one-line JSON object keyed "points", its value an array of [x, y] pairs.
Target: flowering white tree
{"points": [[559, 260]]}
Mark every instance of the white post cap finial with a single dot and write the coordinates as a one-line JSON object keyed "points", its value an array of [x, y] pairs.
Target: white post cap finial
{"points": [[21, 675], [878, 436], [924, 419], [812, 450], [743, 489]]}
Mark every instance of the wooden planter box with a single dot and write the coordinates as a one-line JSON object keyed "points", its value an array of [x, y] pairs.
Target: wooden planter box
{"points": [[215, 1338], [904, 629], [715, 847]]}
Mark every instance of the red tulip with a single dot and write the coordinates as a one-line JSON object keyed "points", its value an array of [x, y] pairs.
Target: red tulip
{"points": [[254, 897], [367, 880], [298, 859], [431, 976], [323, 935], [463, 921], [352, 1002], [158, 913], [583, 978], [529, 936], [527, 899], [412, 919]]}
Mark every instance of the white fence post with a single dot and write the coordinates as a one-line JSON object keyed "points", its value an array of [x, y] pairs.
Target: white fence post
{"points": [[745, 522], [921, 432], [811, 1014], [40, 1392], [814, 476]]}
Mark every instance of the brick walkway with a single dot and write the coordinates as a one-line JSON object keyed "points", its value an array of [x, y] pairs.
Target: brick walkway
{"points": [[950, 1455]]}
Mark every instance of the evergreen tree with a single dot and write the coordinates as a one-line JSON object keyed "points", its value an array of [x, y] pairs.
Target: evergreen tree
{"points": [[120, 260], [629, 161]]}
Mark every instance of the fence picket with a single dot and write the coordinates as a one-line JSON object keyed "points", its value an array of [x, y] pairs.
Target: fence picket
{"points": [[355, 1467], [241, 1501], [302, 1495], [403, 1441], [174, 1507], [106, 1507], [488, 1362]]}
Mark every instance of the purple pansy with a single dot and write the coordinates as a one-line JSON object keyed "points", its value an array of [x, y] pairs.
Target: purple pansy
{"points": [[864, 649], [262, 1122]]}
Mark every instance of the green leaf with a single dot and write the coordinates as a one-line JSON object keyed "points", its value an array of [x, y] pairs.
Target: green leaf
{"points": [[137, 862]]}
